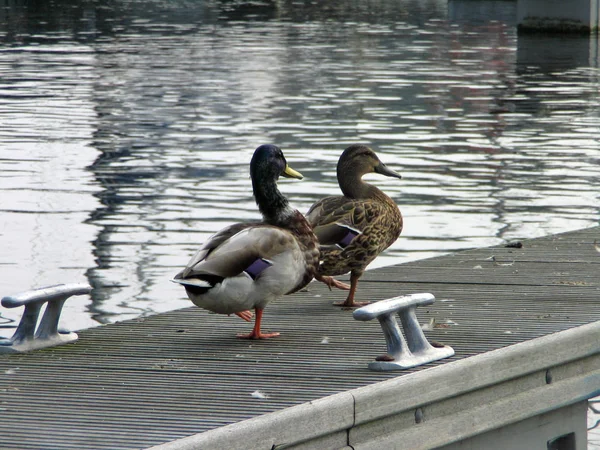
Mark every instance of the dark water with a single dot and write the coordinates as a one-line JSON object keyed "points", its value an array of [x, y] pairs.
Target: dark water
{"points": [[126, 128]]}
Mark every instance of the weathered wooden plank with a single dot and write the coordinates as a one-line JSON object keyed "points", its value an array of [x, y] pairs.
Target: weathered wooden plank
{"points": [[143, 382]]}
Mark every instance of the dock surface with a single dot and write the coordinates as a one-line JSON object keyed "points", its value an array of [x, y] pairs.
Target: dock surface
{"points": [[153, 380]]}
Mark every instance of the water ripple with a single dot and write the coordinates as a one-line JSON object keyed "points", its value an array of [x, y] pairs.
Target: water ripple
{"points": [[127, 131]]}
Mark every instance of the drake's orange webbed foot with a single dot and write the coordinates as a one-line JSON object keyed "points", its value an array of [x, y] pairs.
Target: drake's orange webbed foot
{"points": [[246, 315], [258, 335]]}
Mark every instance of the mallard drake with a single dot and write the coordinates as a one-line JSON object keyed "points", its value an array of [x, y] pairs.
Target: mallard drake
{"points": [[356, 227], [247, 265]]}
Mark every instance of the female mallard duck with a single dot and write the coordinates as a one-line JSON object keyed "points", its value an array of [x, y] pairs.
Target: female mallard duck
{"points": [[247, 265], [354, 228]]}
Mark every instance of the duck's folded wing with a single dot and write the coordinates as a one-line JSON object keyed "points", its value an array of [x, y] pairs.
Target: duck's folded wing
{"points": [[324, 207], [241, 252], [336, 234], [339, 220], [212, 243]]}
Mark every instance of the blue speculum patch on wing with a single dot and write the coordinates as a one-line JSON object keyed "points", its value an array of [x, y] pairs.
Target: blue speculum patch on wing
{"points": [[345, 241], [256, 268]]}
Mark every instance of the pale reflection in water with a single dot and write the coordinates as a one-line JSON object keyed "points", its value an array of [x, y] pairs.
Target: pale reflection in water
{"points": [[127, 129]]}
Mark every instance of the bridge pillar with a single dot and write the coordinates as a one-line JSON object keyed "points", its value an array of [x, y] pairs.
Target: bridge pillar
{"points": [[572, 16]]}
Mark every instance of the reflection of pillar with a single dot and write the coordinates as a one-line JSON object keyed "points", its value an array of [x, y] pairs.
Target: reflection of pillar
{"points": [[551, 53], [559, 15]]}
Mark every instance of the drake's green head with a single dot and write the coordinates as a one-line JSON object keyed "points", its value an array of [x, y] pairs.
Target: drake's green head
{"points": [[268, 163]]}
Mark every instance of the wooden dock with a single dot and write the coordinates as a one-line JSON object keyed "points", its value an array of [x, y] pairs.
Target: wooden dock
{"points": [[151, 381]]}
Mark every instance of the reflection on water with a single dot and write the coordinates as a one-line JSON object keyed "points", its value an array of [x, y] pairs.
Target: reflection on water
{"points": [[127, 128]]}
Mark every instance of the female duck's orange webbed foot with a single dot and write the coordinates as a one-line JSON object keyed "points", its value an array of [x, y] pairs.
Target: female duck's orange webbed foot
{"points": [[246, 315], [256, 333], [350, 303], [332, 282]]}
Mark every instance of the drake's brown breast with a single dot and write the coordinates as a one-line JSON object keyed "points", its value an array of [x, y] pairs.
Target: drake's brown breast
{"points": [[310, 247]]}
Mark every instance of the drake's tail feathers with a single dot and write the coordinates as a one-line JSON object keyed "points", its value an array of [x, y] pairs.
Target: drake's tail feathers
{"points": [[195, 285]]}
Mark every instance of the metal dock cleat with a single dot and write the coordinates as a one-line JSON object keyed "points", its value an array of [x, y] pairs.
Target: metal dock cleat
{"points": [[26, 337], [402, 353]]}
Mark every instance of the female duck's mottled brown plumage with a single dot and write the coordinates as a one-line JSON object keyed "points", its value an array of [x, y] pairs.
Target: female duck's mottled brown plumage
{"points": [[247, 265], [354, 228]]}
